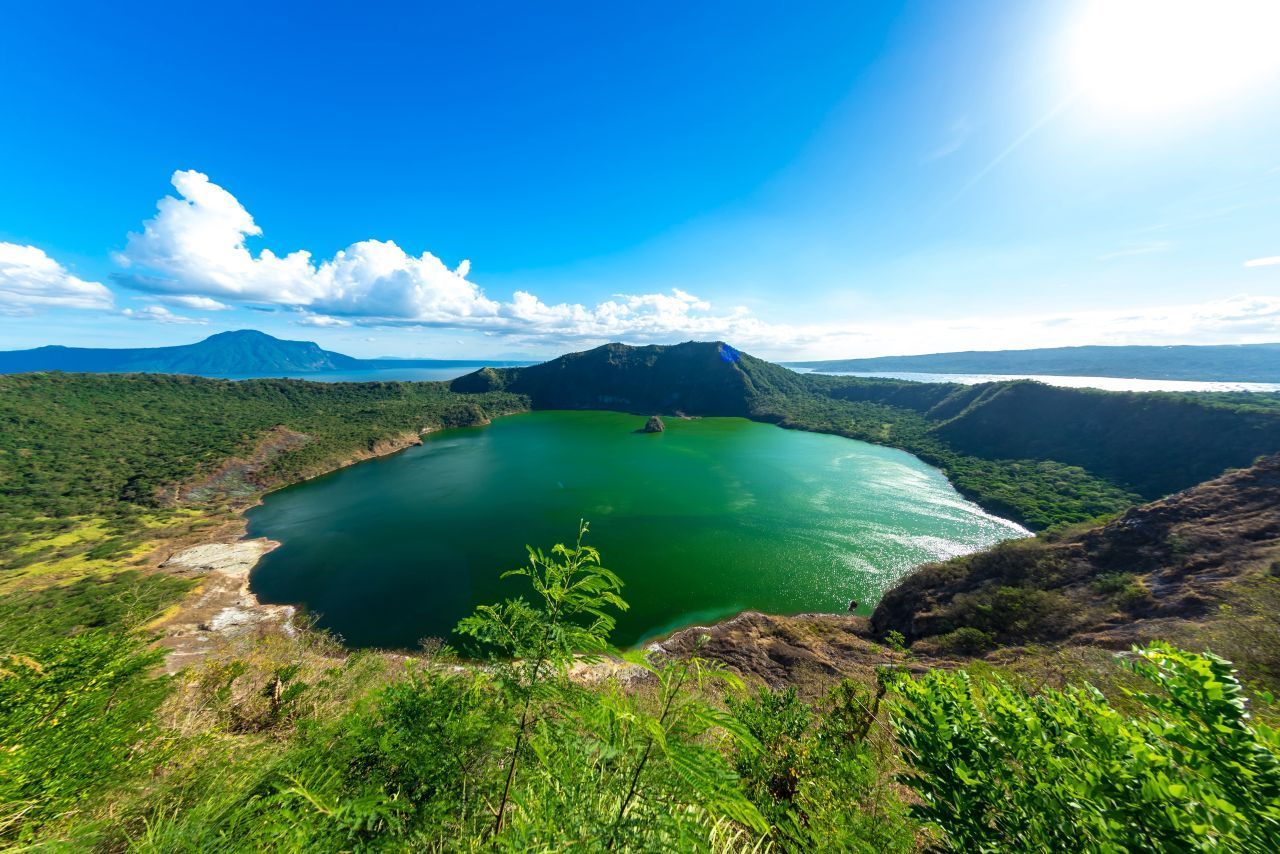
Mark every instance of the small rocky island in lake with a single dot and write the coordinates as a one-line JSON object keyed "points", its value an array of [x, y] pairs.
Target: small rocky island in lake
{"points": [[654, 425]]}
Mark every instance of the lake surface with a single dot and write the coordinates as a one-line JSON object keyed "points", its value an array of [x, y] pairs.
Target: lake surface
{"points": [[1104, 383], [713, 516]]}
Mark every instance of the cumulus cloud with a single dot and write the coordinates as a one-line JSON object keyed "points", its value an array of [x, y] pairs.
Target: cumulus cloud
{"points": [[195, 244], [321, 320], [195, 247], [30, 280], [1269, 261], [195, 302], [160, 314]]}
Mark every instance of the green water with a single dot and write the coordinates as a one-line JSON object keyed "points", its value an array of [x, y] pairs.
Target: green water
{"points": [[709, 518]]}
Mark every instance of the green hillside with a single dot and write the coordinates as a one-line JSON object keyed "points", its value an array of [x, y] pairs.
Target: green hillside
{"points": [[74, 446]]}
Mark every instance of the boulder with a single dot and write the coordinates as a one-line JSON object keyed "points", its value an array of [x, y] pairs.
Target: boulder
{"points": [[654, 425]]}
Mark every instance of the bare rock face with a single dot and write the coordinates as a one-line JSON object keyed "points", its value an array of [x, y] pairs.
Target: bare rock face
{"points": [[805, 650], [654, 425], [222, 605]]}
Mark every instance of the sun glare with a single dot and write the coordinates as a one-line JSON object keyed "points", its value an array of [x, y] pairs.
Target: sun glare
{"points": [[1165, 56]]}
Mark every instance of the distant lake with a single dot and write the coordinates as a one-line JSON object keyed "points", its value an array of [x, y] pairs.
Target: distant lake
{"points": [[714, 516], [1104, 383]]}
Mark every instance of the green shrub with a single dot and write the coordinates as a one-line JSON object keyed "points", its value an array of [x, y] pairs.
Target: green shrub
{"points": [[1133, 598], [997, 768], [75, 719], [1012, 613], [1112, 582], [965, 641], [816, 774]]}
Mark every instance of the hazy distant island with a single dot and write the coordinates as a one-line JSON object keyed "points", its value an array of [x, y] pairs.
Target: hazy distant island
{"points": [[244, 352], [1221, 363]]}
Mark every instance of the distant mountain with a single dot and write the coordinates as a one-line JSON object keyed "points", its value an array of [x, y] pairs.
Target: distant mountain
{"points": [[245, 352], [698, 378], [1222, 363]]}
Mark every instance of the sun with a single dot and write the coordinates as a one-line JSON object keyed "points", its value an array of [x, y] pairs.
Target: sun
{"points": [[1167, 56]]}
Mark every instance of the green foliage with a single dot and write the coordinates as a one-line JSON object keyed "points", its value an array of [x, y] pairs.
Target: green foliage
{"points": [[966, 640], [599, 757], [1012, 612], [30, 618], [816, 775], [428, 761], [896, 640], [997, 768], [615, 770], [538, 642], [75, 716], [288, 745], [575, 591]]}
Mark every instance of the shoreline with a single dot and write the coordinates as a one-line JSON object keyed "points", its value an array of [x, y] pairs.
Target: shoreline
{"points": [[222, 606]]}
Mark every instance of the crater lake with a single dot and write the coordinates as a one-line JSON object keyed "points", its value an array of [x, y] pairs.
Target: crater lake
{"points": [[709, 518]]}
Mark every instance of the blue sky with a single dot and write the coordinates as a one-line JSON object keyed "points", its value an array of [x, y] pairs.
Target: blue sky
{"points": [[815, 180]]}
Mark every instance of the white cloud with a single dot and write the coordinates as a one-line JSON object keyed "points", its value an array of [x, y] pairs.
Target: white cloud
{"points": [[1270, 261], [195, 247], [322, 320], [160, 314], [194, 302], [31, 280]]}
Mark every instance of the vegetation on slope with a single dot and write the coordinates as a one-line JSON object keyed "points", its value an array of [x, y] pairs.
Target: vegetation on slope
{"points": [[127, 449], [289, 745], [1199, 566]]}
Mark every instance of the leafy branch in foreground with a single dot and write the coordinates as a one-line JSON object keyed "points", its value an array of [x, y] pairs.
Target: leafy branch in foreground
{"points": [[540, 641]]}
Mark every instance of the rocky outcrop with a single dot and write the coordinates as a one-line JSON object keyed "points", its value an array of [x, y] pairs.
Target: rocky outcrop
{"points": [[222, 605], [653, 425], [806, 650]]}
